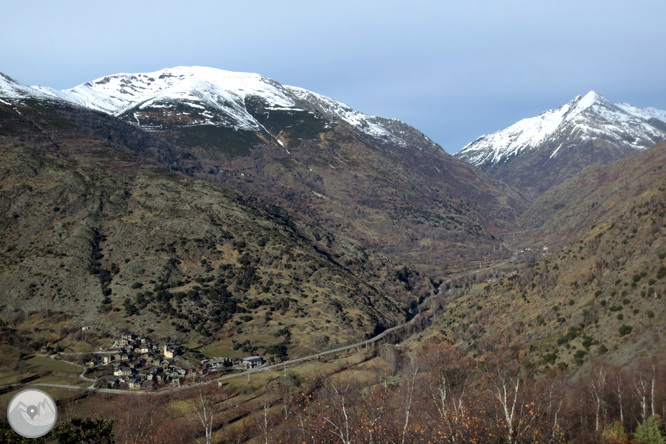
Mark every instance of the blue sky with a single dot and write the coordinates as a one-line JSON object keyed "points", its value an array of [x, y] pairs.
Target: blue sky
{"points": [[454, 70]]}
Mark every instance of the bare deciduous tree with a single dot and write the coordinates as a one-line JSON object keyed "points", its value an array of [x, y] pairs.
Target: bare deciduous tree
{"points": [[206, 406], [597, 384], [506, 392], [409, 395], [450, 407], [337, 416]]}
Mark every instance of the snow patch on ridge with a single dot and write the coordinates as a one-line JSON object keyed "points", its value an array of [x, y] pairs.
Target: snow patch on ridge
{"points": [[368, 124], [12, 90]]}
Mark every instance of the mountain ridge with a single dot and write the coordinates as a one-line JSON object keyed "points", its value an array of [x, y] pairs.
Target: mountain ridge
{"points": [[205, 91], [539, 152], [593, 196], [103, 215], [596, 291], [366, 177], [94, 228]]}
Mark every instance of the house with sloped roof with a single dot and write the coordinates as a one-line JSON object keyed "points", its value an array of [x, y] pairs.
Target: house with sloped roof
{"points": [[110, 381], [253, 361], [123, 371]]}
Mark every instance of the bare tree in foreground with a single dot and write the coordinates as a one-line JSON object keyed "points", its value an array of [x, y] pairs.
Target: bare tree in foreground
{"points": [[206, 406]]}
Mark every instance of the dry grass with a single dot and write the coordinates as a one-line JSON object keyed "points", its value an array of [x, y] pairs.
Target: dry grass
{"points": [[57, 394], [63, 380], [11, 377], [224, 347], [41, 364]]}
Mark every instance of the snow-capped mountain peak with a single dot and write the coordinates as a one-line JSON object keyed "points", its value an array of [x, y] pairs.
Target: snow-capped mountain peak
{"points": [[117, 93], [196, 96], [335, 110], [588, 100], [587, 117]]}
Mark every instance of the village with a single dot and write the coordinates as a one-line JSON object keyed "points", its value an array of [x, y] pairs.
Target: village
{"points": [[139, 363]]}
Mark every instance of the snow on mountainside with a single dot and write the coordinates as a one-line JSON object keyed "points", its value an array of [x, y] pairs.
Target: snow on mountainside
{"points": [[191, 96], [12, 90], [333, 109], [196, 88], [585, 118]]}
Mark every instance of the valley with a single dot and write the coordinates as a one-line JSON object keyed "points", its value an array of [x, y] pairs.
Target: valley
{"points": [[238, 217]]}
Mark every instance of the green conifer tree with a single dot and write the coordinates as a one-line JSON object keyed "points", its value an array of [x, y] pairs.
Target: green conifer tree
{"points": [[649, 433]]}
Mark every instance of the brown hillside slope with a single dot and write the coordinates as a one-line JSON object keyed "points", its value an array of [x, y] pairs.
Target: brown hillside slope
{"points": [[594, 196], [600, 294], [94, 227], [402, 194]]}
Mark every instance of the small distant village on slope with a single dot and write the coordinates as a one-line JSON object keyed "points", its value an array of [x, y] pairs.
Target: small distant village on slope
{"points": [[139, 363]]}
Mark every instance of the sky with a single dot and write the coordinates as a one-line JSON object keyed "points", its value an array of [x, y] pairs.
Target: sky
{"points": [[454, 70]]}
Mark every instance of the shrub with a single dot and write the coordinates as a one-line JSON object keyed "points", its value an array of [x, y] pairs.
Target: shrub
{"points": [[661, 273], [130, 308], [91, 429], [549, 358], [625, 329], [587, 341], [614, 433]]}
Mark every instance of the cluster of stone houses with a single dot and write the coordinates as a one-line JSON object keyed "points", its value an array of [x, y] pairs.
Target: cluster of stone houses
{"points": [[141, 364]]}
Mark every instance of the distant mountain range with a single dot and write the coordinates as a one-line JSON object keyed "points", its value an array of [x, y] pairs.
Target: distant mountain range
{"points": [[540, 152]]}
